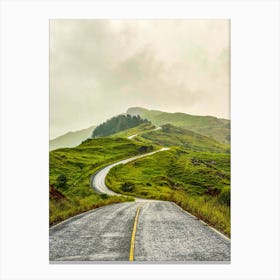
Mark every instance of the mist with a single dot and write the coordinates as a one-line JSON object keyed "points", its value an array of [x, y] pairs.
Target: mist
{"points": [[100, 68]]}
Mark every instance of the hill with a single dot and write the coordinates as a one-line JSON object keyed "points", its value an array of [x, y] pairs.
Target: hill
{"points": [[70, 139], [170, 136], [137, 130], [194, 173], [117, 124], [197, 181], [218, 129], [70, 170]]}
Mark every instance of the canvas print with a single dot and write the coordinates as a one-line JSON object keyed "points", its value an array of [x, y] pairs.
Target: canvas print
{"points": [[139, 148]]}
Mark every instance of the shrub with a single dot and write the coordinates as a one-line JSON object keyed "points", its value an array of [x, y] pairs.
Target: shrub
{"points": [[104, 196], [61, 182], [127, 187]]}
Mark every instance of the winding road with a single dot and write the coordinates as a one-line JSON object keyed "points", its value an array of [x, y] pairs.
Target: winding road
{"points": [[144, 230], [134, 135], [98, 180]]}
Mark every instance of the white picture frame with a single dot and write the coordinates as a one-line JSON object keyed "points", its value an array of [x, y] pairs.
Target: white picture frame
{"points": [[255, 137]]}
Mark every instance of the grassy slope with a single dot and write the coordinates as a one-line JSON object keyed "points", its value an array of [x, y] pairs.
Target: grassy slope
{"points": [[145, 127], [192, 174], [193, 180], [170, 135], [70, 139], [218, 129], [78, 164]]}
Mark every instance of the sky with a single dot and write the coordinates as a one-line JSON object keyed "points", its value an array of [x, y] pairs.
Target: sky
{"points": [[100, 68]]}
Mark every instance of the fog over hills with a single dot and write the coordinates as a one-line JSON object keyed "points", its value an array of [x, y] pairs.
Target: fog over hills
{"points": [[215, 128], [70, 139], [99, 68]]}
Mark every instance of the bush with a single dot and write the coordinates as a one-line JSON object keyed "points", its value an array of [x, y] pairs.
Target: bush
{"points": [[61, 182], [127, 187], [104, 196], [224, 197]]}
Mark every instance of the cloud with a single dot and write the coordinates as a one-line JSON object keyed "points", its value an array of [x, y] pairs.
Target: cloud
{"points": [[99, 68]]}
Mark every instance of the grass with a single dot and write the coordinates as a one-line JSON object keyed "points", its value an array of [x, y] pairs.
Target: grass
{"points": [[196, 181], [77, 165], [170, 135], [142, 128], [218, 129], [194, 173]]}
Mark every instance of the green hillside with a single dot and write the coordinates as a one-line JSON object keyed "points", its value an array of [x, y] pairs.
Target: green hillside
{"points": [[117, 124], [198, 182], [142, 128], [218, 129], [71, 169], [171, 135], [194, 173], [70, 139]]}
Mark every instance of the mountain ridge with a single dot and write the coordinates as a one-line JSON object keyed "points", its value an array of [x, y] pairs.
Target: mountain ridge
{"points": [[70, 139], [216, 128]]}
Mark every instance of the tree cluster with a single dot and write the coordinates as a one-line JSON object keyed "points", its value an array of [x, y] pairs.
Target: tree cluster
{"points": [[116, 124]]}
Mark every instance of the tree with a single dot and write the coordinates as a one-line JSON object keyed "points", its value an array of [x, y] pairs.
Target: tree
{"points": [[116, 124]]}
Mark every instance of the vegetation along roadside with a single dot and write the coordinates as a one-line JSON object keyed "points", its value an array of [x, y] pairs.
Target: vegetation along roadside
{"points": [[71, 169]]}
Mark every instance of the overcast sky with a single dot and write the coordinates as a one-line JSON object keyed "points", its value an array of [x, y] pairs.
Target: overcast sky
{"points": [[99, 68]]}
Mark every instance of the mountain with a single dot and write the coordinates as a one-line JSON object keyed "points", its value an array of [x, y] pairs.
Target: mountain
{"points": [[134, 131], [194, 172], [73, 194], [172, 136], [218, 129], [70, 139]]}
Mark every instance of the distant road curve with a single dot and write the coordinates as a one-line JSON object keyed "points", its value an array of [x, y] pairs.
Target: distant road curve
{"points": [[134, 135], [98, 179]]}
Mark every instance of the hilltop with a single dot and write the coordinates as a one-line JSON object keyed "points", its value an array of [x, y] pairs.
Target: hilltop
{"points": [[117, 124], [70, 139], [170, 135], [218, 129]]}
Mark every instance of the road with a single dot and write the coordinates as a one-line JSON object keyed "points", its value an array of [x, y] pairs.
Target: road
{"points": [[144, 230], [164, 233], [134, 135], [98, 180]]}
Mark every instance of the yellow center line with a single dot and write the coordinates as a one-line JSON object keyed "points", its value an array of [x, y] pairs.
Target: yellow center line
{"points": [[132, 243]]}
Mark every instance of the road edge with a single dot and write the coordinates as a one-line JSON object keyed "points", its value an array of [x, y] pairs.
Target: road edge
{"points": [[53, 227], [201, 221]]}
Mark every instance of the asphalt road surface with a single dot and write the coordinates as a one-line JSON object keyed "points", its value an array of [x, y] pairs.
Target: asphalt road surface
{"points": [[145, 230], [164, 233]]}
